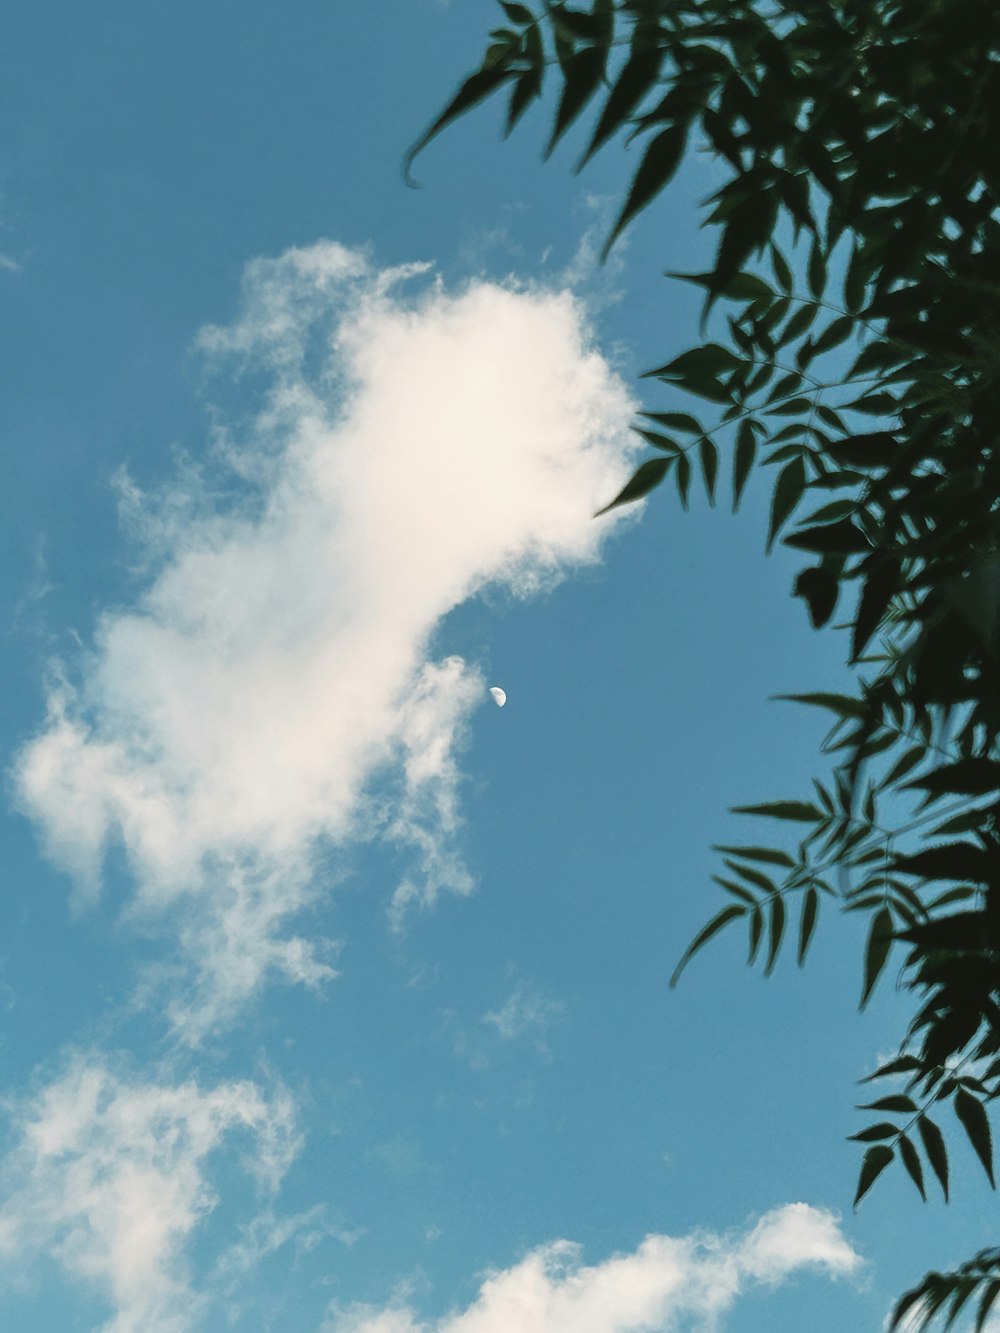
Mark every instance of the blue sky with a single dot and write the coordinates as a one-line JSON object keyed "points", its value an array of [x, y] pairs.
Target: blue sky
{"points": [[335, 997]]}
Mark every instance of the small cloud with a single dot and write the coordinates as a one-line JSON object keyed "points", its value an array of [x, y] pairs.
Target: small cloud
{"points": [[525, 1012]]}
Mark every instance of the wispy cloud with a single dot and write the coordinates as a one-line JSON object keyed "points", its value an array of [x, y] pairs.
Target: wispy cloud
{"points": [[666, 1280], [108, 1177], [414, 446]]}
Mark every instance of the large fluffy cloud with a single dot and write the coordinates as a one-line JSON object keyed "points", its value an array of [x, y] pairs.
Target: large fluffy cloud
{"points": [[108, 1176], [663, 1285], [412, 446]]}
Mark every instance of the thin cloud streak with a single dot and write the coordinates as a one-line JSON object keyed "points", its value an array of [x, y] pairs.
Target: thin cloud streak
{"points": [[273, 695]]}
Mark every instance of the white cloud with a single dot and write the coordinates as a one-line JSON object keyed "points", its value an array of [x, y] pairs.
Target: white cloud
{"points": [[415, 445], [659, 1287], [525, 1011], [108, 1177]]}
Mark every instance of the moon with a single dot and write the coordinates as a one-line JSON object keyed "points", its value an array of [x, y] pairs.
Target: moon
{"points": [[499, 695]]}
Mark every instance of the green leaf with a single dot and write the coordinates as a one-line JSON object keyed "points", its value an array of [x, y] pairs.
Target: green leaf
{"points": [[717, 923], [476, 88], [817, 270], [875, 404], [798, 324], [801, 811], [937, 1155], [787, 493], [875, 1161], [820, 587], [756, 931], [709, 456], [905, 764], [897, 1103], [879, 589], [524, 92], [965, 777], [975, 1122], [767, 855], [789, 408], [855, 281], [646, 478], [876, 1133], [877, 449], [844, 705], [743, 459], [518, 14], [582, 74], [663, 157], [876, 950], [638, 75], [834, 334], [843, 538], [903, 1064], [990, 1293], [740, 287], [675, 421], [776, 928], [658, 441], [807, 922], [950, 860], [911, 1161], [781, 270], [712, 357]]}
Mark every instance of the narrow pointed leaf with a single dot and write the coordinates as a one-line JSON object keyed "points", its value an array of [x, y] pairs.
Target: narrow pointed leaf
{"points": [[743, 459], [646, 478], [807, 923], [911, 1160], [876, 950], [802, 811], [476, 88], [776, 929], [787, 493], [876, 1159], [709, 457], [663, 157], [990, 1294], [975, 1122], [937, 1154], [717, 923], [635, 80], [582, 73]]}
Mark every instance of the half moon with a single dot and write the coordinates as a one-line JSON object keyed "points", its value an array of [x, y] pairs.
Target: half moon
{"points": [[499, 695]]}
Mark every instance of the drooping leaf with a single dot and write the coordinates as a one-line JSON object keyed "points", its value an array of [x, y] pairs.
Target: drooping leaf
{"points": [[662, 158], [476, 88], [717, 923], [879, 589], [838, 331], [781, 270], [911, 1160], [645, 479], [937, 1154], [876, 950], [876, 1133], [820, 587], [807, 922], [743, 459], [990, 1294], [776, 929], [975, 1122], [637, 76], [876, 1159], [582, 74], [787, 493], [709, 456], [817, 269]]}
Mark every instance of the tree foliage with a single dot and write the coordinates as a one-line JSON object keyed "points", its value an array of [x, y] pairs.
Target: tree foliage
{"points": [[870, 125]]}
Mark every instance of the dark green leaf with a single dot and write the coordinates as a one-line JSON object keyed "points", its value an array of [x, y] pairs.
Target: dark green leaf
{"points": [[756, 931], [834, 334], [518, 14], [658, 441], [965, 777], [951, 860], [767, 855], [876, 950], [638, 75], [879, 589], [676, 421], [712, 357], [582, 73], [662, 159], [897, 1103], [524, 92], [937, 1155], [875, 1133], [683, 479], [807, 922], [476, 88], [801, 811], [820, 587], [776, 928], [717, 923], [843, 538], [911, 1161], [781, 270], [990, 1293], [877, 449], [648, 476], [787, 493], [817, 270], [709, 456], [798, 324], [903, 1064], [875, 1161], [975, 1122], [844, 705], [740, 287], [743, 459]]}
